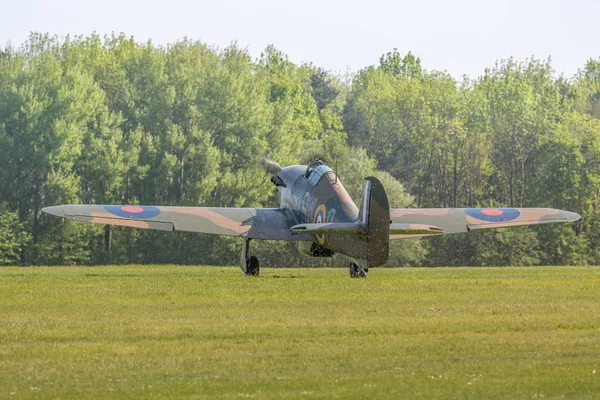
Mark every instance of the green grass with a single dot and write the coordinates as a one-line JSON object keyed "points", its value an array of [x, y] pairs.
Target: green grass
{"points": [[208, 332]]}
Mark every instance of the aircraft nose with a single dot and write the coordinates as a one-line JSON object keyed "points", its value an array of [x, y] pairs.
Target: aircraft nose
{"points": [[570, 216], [55, 210]]}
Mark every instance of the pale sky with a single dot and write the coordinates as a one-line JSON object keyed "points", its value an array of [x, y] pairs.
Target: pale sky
{"points": [[461, 37]]}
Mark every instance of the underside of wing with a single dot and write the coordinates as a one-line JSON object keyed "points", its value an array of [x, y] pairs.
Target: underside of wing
{"points": [[456, 220], [255, 223]]}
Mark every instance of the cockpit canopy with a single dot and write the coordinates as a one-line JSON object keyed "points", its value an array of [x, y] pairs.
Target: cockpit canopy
{"points": [[315, 170], [312, 166]]}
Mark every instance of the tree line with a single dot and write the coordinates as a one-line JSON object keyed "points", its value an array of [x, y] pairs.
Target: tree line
{"points": [[109, 120]]}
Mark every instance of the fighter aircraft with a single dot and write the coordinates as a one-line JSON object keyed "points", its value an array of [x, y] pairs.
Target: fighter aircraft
{"points": [[318, 213]]}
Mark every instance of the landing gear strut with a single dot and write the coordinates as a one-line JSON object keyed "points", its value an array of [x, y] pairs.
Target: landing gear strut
{"points": [[356, 271], [249, 265], [252, 267]]}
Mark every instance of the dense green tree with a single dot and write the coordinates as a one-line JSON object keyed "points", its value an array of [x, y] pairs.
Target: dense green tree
{"points": [[13, 237], [112, 120], [589, 88], [513, 247]]}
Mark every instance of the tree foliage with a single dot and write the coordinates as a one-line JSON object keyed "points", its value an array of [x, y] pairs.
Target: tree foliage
{"points": [[112, 120], [13, 237]]}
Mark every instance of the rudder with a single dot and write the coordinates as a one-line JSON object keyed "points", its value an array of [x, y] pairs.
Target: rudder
{"points": [[374, 214]]}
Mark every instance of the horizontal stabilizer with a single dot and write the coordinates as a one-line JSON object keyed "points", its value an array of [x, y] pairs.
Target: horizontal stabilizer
{"points": [[348, 228], [414, 229]]}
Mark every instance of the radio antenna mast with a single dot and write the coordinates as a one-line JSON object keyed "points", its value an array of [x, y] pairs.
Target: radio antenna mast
{"points": [[336, 171]]}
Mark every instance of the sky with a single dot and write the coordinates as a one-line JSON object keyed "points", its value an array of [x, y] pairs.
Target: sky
{"points": [[460, 37]]}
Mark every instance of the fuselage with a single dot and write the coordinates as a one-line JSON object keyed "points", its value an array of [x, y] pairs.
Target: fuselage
{"points": [[314, 194]]}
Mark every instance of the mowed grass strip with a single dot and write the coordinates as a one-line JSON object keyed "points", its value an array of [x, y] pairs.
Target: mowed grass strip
{"points": [[210, 332]]}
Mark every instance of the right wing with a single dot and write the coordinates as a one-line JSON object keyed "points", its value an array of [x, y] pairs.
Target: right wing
{"points": [[457, 220], [253, 223]]}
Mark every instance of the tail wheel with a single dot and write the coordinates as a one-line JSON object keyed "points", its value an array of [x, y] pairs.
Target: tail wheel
{"points": [[356, 271], [252, 266]]}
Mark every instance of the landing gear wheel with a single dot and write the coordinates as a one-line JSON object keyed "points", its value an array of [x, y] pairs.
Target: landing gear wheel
{"points": [[356, 271], [252, 267]]}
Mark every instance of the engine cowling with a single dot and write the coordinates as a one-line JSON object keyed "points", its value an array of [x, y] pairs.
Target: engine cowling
{"points": [[313, 249]]}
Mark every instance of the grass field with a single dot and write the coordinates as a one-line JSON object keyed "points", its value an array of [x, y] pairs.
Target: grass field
{"points": [[208, 332]]}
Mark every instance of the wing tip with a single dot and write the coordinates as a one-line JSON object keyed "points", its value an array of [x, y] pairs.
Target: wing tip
{"points": [[55, 210], [570, 216]]}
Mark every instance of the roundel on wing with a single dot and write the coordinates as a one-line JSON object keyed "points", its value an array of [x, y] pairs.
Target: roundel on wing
{"points": [[493, 214], [319, 218], [134, 212]]}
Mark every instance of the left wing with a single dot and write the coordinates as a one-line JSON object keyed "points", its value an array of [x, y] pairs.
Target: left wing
{"points": [[254, 223], [456, 220]]}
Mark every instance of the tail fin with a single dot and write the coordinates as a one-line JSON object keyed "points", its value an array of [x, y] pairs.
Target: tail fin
{"points": [[374, 214]]}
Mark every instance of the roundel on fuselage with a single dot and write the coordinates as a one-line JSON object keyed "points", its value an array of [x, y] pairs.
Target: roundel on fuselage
{"points": [[319, 217]]}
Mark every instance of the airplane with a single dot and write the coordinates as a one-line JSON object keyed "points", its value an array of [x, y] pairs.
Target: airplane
{"points": [[318, 213]]}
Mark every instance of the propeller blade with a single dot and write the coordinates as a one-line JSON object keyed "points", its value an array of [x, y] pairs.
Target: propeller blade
{"points": [[271, 166]]}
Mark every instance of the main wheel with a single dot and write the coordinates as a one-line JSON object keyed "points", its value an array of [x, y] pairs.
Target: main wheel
{"points": [[252, 266]]}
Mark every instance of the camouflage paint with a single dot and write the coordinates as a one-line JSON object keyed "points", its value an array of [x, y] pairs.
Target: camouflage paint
{"points": [[317, 204]]}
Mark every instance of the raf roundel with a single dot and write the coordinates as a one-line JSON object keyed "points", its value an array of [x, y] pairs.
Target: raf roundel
{"points": [[133, 212], [493, 214], [319, 218]]}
